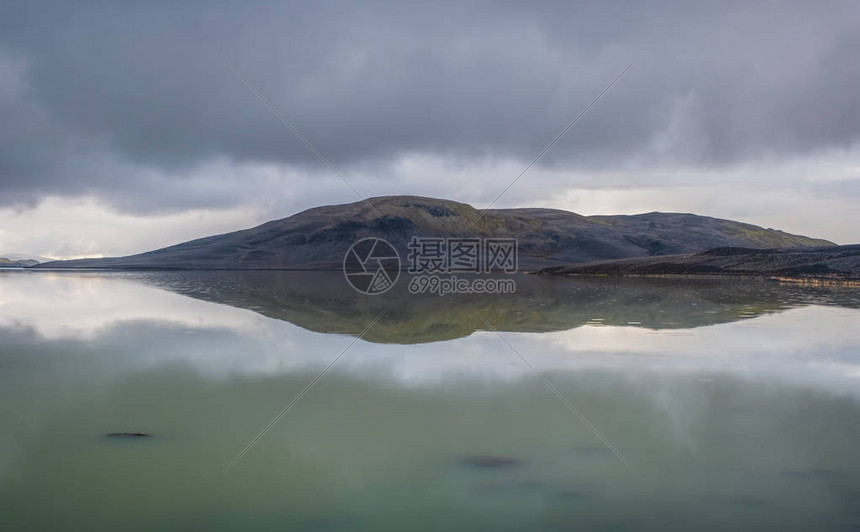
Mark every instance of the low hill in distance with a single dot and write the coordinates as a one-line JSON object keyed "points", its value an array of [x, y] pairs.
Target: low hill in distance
{"points": [[319, 238], [16, 263], [20, 260]]}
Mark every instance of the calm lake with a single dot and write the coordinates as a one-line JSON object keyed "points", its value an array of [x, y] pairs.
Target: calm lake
{"points": [[574, 404]]}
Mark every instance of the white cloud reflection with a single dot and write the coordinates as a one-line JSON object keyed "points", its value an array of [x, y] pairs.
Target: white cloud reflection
{"points": [[145, 326], [59, 306]]}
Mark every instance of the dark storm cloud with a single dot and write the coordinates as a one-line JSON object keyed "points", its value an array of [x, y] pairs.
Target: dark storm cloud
{"points": [[123, 100]]}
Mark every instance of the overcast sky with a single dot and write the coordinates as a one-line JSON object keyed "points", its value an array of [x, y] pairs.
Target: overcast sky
{"points": [[124, 129]]}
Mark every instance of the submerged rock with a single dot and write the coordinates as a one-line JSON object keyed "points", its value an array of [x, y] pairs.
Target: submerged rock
{"points": [[128, 435], [490, 461]]}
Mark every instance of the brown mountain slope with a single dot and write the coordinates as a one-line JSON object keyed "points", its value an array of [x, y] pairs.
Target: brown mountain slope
{"points": [[318, 238]]}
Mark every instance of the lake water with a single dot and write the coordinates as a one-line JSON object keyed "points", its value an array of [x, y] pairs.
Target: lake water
{"points": [[596, 404]]}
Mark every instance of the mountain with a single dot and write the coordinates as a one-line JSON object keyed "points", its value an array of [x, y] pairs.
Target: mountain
{"points": [[836, 263], [24, 256], [319, 238], [6, 262], [20, 260]]}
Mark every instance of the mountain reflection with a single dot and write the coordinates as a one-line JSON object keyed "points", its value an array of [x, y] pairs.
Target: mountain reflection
{"points": [[323, 302]]}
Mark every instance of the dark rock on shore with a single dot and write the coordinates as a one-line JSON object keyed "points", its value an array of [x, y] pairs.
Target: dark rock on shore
{"points": [[831, 263]]}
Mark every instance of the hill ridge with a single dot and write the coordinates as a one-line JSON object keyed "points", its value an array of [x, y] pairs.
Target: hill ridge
{"points": [[318, 238]]}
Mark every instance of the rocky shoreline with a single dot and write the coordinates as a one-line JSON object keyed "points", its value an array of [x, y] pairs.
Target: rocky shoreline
{"points": [[829, 265]]}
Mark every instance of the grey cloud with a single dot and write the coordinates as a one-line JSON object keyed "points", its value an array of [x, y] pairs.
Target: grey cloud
{"points": [[124, 100]]}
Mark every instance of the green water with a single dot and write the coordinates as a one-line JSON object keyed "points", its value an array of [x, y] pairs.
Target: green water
{"points": [[735, 405]]}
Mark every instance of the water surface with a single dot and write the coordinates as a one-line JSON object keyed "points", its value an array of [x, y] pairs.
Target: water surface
{"points": [[734, 402]]}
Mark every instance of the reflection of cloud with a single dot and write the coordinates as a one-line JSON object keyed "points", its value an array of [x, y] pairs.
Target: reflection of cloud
{"points": [[712, 413], [769, 333], [811, 346], [101, 329], [83, 305]]}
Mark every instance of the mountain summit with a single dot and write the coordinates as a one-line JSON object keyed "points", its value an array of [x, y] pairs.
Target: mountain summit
{"points": [[318, 238]]}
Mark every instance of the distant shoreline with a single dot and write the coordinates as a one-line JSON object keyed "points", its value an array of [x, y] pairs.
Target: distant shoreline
{"points": [[824, 279], [812, 280]]}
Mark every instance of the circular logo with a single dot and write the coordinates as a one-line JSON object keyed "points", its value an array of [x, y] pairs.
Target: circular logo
{"points": [[371, 265]]}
